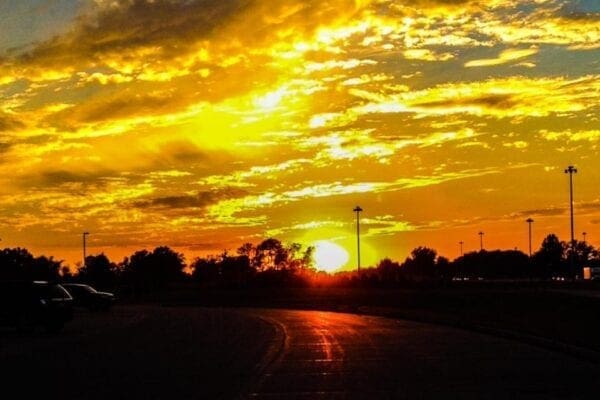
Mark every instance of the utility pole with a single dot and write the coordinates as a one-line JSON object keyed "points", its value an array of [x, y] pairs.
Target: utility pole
{"points": [[358, 210], [84, 255], [529, 222], [481, 241], [461, 247]]}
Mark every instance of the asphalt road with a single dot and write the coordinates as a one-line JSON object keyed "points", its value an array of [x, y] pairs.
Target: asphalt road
{"points": [[194, 353], [137, 352], [345, 356]]}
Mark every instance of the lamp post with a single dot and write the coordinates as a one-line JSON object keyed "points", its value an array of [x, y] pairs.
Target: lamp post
{"points": [[481, 241], [529, 222], [571, 170], [84, 236], [358, 210], [461, 247]]}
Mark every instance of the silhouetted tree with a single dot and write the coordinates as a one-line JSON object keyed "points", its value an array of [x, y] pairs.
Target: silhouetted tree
{"points": [[15, 264], [443, 268], [19, 264], [152, 271], [270, 254], [206, 271], [65, 273], [550, 258], [388, 271], [247, 249], [46, 268], [99, 272], [496, 264], [236, 271], [583, 254], [421, 263]]}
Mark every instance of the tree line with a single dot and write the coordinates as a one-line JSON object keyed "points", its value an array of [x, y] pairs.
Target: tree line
{"points": [[273, 263]]}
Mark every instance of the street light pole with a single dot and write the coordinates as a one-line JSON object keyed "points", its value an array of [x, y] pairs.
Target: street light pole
{"points": [[571, 170], [84, 255], [529, 222], [461, 247], [481, 241], [358, 210]]}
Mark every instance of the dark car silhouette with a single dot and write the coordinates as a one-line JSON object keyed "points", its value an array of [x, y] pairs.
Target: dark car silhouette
{"points": [[27, 304], [88, 297]]}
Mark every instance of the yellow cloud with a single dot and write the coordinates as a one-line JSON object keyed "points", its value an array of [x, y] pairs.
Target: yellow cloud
{"points": [[592, 135], [507, 97], [426, 55], [504, 57]]}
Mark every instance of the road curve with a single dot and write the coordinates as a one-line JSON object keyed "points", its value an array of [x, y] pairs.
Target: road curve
{"points": [[344, 356]]}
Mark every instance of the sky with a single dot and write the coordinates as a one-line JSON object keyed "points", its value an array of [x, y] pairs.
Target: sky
{"points": [[205, 124]]}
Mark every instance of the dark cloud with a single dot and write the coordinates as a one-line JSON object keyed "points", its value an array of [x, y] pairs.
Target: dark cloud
{"points": [[497, 101], [540, 212], [202, 246], [175, 27], [125, 104], [138, 40], [5, 147], [590, 206], [127, 25], [587, 10], [199, 200], [183, 152], [554, 211], [60, 177], [9, 123], [9, 142], [440, 2]]}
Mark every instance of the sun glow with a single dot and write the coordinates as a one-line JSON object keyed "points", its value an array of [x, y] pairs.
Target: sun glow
{"points": [[329, 257]]}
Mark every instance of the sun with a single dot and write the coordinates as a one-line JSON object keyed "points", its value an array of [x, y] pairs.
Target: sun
{"points": [[329, 257]]}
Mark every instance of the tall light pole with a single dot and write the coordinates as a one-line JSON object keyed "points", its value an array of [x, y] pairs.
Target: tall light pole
{"points": [[481, 241], [461, 247], [358, 210], [571, 170], [529, 222], [84, 236]]}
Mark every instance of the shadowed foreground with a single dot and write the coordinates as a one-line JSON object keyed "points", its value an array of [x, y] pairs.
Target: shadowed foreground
{"points": [[138, 353], [345, 356], [183, 353]]}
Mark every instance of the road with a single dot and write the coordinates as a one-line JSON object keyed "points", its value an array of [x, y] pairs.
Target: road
{"points": [[137, 352], [193, 353], [345, 356]]}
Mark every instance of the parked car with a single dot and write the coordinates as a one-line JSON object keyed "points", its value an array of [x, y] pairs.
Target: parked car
{"points": [[88, 297], [27, 304]]}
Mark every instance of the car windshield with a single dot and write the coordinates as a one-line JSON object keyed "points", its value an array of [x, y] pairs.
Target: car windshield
{"points": [[59, 292], [88, 288], [80, 289]]}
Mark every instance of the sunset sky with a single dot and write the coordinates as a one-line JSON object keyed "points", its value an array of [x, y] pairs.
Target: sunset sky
{"points": [[204, 124]]}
